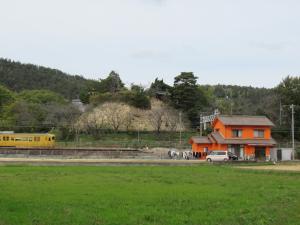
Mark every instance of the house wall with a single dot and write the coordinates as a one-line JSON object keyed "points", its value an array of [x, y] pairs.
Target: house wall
{"points": [[219, 126], [250, 151], [201, 147], [248, 131]]}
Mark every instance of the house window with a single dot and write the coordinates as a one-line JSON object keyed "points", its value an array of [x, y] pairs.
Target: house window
{"points": [[236, 133], [259, 133]]}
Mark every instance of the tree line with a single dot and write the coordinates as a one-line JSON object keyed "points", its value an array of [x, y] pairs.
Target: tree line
{"points": [[40, 96]]}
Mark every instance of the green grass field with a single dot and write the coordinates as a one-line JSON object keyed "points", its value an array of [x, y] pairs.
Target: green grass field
{"points": [[147, 195]]}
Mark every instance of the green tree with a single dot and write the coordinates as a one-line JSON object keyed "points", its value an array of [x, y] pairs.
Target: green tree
{"points": [[26, 116], [159, 89], [187, 96], [41, 97], [84, 96], [112, 83], [138, 97], [6, 97], [289, 91]]}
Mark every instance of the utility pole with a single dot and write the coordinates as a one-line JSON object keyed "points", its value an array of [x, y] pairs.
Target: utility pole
{"points": [[180, 122], [293, 129], [280, 113], [139, 132], [200, 125], [231, 103]]}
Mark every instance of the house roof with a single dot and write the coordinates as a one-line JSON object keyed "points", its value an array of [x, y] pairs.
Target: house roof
{"points": [[245, 120], [200, 140], [221, 140], [217, 138]]}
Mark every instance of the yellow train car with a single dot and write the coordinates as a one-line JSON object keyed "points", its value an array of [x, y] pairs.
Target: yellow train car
{"points": [[19, 140]]}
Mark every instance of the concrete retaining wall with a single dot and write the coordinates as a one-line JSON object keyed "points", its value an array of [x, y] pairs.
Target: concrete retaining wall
{"points": [[102, 153]]}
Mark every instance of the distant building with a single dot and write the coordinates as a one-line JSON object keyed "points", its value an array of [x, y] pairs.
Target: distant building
{"points": [[248, 137], [281, 154], [78, 104]]}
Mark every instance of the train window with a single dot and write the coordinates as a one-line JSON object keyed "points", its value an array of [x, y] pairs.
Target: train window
{"points": [[30, 139], [49, 139], [37, 138], [53, 138], [12, 139], [21, 139]]}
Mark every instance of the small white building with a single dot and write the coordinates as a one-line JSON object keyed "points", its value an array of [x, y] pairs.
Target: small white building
{"points": [[77, 103], [281, 154]]}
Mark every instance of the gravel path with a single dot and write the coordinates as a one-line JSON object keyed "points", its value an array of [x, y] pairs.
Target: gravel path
{"points": [[44, 161], [292, 167]]}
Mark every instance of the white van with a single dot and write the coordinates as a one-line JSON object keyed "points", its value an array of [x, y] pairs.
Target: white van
{"points": [[217, 156]]}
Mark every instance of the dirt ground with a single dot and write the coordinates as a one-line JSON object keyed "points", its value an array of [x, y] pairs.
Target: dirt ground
{"points": [[47, 161], [279, 167]]}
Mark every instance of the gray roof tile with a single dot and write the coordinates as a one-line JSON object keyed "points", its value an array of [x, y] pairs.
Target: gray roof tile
{"points": [[245, 120]]}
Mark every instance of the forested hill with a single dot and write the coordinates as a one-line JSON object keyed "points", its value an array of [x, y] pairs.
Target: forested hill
{"points": [[185, 95], [17, 77]]}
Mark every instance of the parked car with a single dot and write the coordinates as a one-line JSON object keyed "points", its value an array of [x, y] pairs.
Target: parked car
{"points": [[232, 156], [217, 156]]}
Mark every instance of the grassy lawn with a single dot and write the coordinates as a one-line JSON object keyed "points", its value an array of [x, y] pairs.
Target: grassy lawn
{"points": [[147, 195]]}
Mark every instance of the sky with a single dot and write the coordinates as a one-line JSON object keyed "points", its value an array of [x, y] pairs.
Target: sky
{"points": [[241, 42]]}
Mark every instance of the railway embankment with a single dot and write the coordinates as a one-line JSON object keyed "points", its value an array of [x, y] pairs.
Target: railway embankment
{"points": [[89, 153]]}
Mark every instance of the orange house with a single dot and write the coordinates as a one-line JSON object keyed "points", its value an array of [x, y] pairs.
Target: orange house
{"points": [[248, 137]]}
